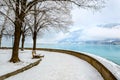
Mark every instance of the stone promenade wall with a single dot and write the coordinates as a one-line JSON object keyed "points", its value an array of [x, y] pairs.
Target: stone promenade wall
{"points": [[106, 74]]}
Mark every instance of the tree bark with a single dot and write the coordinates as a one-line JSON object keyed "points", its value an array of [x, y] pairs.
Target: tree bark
{"points": [[1, 35], [19, 20], [34, 43], [34, 32], [15, 50], [0, 40], [22, 42], [18, 24]]}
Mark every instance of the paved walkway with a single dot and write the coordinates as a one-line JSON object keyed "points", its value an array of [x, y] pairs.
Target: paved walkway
{"points": [[56, 66]]}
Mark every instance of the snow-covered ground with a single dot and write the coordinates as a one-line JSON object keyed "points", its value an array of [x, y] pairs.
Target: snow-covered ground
{"points": [[114, 68], [54, 66], [6, 66]]}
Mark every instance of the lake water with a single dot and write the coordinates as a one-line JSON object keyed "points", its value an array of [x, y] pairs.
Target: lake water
{"points": [[110, 52]]}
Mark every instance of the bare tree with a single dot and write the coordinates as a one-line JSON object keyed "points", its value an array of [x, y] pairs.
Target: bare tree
{"points": [[55, 16], [2, 28], [21, 9], [25, 31]]}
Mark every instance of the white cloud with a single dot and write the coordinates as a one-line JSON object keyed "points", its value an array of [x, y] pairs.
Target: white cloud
{"points": [[99, 33], [52, 37], [109, 14], [84, 19]]}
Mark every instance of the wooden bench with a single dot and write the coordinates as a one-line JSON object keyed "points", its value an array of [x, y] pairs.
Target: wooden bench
{"points": [[37, 56]]}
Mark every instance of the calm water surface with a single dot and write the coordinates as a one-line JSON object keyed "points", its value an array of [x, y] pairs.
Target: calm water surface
{"points": [[110, 52]]}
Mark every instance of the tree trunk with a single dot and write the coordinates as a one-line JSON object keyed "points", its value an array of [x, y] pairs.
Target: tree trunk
{"points": [[20, 8], [22, 42], [35, 32], [15, 50], [0, 40], [1, 35], [34, 43]]}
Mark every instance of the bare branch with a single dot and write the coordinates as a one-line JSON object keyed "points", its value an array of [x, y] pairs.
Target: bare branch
{"points": [[6, 16]]}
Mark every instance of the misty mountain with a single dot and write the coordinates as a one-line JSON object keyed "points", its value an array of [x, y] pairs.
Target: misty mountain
{"points": [[109, 25], [73, 37], [105, 41]]}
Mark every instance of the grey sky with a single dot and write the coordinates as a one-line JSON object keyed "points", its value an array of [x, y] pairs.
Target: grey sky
{"points": [[109, 14], [87, 21]]}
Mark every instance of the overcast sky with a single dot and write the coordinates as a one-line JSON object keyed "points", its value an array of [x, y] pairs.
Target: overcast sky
{"points": [[86, 24]]}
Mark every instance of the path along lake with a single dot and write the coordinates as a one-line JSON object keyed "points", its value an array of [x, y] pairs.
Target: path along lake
{"points": [[108, 51]]}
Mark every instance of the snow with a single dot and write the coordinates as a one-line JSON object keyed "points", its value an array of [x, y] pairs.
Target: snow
{"points": [[54, 66], [6, 66], [114, 68]]}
